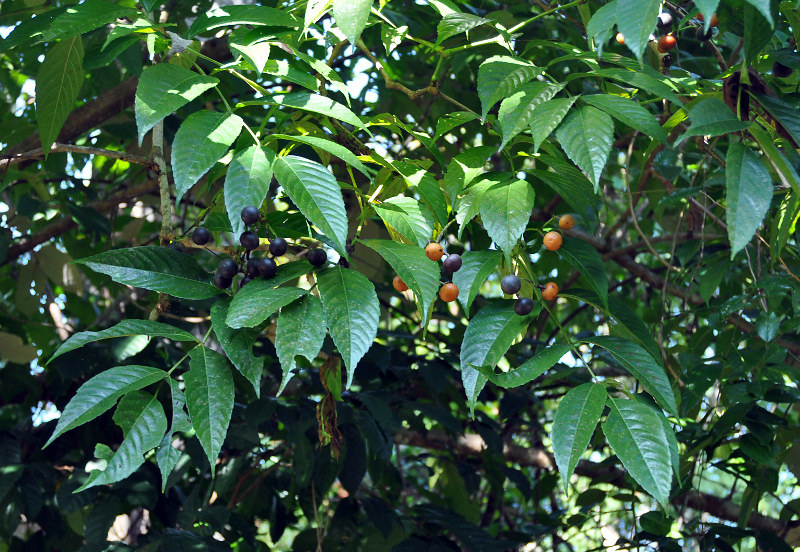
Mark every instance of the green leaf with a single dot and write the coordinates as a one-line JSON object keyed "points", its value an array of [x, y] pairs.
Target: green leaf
{"points": [[516, 110], [653, 83], [708, 8], [101, 393], [257, 301], [300, 332], [501, 76], [85, 17], [426, 185], [464, 167], [763, 7], [167, 457], [574, 423], [331, 147], [351, 17], [586, 137], [468, 206], [457, 23], [636, 19], [505, 211], [488, 336], [414, 267], [242, 15], [58, 82], [532, 368], [164, 88], [602, 24], [237, 344], [315, 192], [155, 268], [748, 195], [784, 113], [585, 259], [711, 117], [247, 183], [767, 326], [209, 397], [143, 424], [254, 50], [636, 360], [308, 101], [201, 141], [126, 328], [452, 120], [352, 311], [636, 435], [476, 267], [408, 217], [315, 9], [628, 112], [573, 187]]}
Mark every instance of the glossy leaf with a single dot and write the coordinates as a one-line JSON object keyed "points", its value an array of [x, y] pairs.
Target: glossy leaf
{"points": [[84, 17], [573, 187], [247, 183], [464, 167], [351, 17], [516, 110], [501, 76], [749, 193], [426, 186], [468, 206], [763, 7], [712, 117], [476, 267], [257, 301], [505, 211], [628, 112], [532, 368], [241, 15], [452, 120], [784, 113], [652, 82], [456, 23], [408, 217], [601, 25], [586, 136], [308, 101], [585, 259], [155, 268], [58, 82], [331, 147], [636, 19], [352, 312], [300, 332], [237, 344]]}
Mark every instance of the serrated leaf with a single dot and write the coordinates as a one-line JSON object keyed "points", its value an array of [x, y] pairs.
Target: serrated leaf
{"points": [[452, 120], [255, 51], [585, 259], [290, 71], [516, 110], [501, 76], [242, 15], [784, 113], [202, 139], [167, 457], [426, 186], [257, 301], [763, 7], [300, 332], [84, 17], [475, 268], [352, 312], [237, 344], [532, 368], [351, 17], [652, 83], [464, 167], [414, 267], [410, 218], [748, 195], [586, 136], [316, 193], [601, 25], [209, 397], [575, 420], [58, 82], [636, 435], [164, 88], [155, 268], [468, 206], [308, 101], [628, 112], [573, 187], [488, 336], [331, 147], [126, 328], [636, 20], [505, 211], [711, 117], [636, 360], [315, 9], [457, 23], [767, 326], [247, 183]]}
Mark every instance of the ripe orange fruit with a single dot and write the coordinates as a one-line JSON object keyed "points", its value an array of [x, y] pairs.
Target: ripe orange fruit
{"points": [[620, 38], [448, 293], [713, 19], [550, 291], [552, 241], [434, 251], [399, 284], [567, 222], [666, 43]]}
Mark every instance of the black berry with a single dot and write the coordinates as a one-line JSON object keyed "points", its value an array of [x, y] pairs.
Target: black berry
{"points": [[780, 70], [249, 240], [176, 247], [267, 268], [278, 247], [703, 35], [228, 268], [452, 263], [246, 280], [523, 306], [222, 282], [252, 267], [317, 257], [201, 236], [250, 215], [664, 21], [510, 284]]}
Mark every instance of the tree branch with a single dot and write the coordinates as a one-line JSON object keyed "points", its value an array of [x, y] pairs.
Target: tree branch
{"points": [[6, 161]]}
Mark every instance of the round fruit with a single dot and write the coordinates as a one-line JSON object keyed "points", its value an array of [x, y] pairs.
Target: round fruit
{"points": [[399, 284], [703, 35], [317, 257], [228, 268], [620, 38], [246, 280], [523, 306], [780, 70], [567, 222], [201, 236], [267, 268], [448, 293], [249, 240], [552, 241], [250, 215], [452, 263], [252, 267], [664, 21], [510, 284], [434, 251], [278, 247], [221, 281], [666, 43], [714, 21], [550, 291]]}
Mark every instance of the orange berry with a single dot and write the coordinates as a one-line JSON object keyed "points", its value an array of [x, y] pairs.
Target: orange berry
{"points": [[448, 293], [567, 222], [434, 251], [714, 20], [552, 241], [620, 38], [550, 291], [666, 43], [399, 284]]}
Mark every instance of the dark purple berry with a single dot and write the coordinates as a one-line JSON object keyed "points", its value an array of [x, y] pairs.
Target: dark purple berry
{"points": [[452, 263], [222, 282], [523, 306], [246, 280], [704, 35], [228, 268], [250, 215], [252, 267], [780, 70], [201, 236], [249, 240], [317, 257], [664, 21], [175, 246], [278, 247], [510, 284], [267, 268]]}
